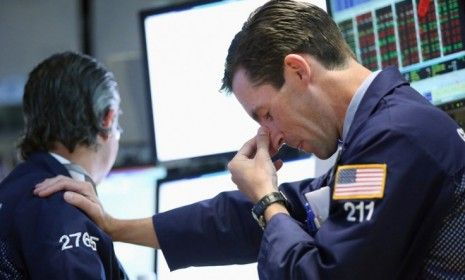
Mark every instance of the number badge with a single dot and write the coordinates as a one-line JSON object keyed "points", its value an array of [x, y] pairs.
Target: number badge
{"points": [[74, 240]]}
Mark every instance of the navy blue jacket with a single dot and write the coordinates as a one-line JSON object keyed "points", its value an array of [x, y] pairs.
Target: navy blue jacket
{"points": [[383, 238], [46, 238]]}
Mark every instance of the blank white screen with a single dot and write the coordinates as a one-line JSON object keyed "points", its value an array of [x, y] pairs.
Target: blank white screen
{"points": [[130, 194], [186, 51]]}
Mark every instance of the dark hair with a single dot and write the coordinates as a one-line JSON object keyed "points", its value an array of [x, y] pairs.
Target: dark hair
{"points": [[279, 28], [65, 100]]}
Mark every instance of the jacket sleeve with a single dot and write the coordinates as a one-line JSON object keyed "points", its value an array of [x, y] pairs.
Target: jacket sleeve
{"points": [[217, 231]]}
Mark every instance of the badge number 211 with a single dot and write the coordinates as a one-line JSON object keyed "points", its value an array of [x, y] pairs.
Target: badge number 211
{"points": [[359, 212]]}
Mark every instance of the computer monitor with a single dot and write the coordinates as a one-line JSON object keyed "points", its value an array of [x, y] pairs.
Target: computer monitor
{"points": [[172, 193], [129, 194], [185, 48], [424, 38]]}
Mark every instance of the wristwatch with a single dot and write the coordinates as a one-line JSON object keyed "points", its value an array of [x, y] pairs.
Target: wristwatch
{"points": [[259, 208]]}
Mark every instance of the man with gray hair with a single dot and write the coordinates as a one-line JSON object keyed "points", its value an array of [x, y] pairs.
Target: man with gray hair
{"points": [[71, 109]]}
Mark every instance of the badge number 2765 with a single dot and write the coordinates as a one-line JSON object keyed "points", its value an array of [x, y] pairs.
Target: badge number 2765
{"points": [[74, 240]]}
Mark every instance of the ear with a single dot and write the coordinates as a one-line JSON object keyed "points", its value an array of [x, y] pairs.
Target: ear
{"points": [[108, 122], [297, 67]]}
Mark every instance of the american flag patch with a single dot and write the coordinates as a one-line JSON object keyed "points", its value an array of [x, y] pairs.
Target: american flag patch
{"points": [[360, 181]]}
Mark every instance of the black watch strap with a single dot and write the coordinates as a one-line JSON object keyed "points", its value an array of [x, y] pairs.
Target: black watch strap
{"points": [[259, 208]]}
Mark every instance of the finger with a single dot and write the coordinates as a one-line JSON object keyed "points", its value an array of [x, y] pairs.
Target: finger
{"points": [[64, 183], [278, 164], [248, 149], [57, 184], [263, 142], [245, 153], [51, 181], [82, 202]]}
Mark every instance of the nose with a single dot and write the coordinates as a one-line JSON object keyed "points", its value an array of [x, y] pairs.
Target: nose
{"points": [[276, 138]]}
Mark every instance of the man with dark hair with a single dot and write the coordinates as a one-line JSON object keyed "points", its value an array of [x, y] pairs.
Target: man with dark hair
{"points": [[390, 208], [71, 108]]}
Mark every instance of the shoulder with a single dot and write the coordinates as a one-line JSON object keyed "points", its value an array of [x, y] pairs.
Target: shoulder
{"points": [[405, 126], [25, 210], [17, 187]]}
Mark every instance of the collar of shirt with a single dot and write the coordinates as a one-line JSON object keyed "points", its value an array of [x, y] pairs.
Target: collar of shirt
{"points": [[75, 175], [355, 102]]}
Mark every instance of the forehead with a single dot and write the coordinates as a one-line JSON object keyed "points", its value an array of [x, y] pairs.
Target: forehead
{"points": [[252, 97], [241, 83]]}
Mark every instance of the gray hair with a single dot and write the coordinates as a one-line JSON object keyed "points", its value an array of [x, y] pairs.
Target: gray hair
{"points": [[66, 99]]}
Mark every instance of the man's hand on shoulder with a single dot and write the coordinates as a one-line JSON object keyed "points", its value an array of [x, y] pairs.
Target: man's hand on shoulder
{"points": [[80, 194]]}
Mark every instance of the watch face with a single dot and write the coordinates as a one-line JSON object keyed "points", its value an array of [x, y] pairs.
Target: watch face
{"points": [[260, 220], [254, 216]]}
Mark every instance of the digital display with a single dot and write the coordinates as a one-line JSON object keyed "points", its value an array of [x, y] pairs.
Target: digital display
{"points": [[425, 39]]}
